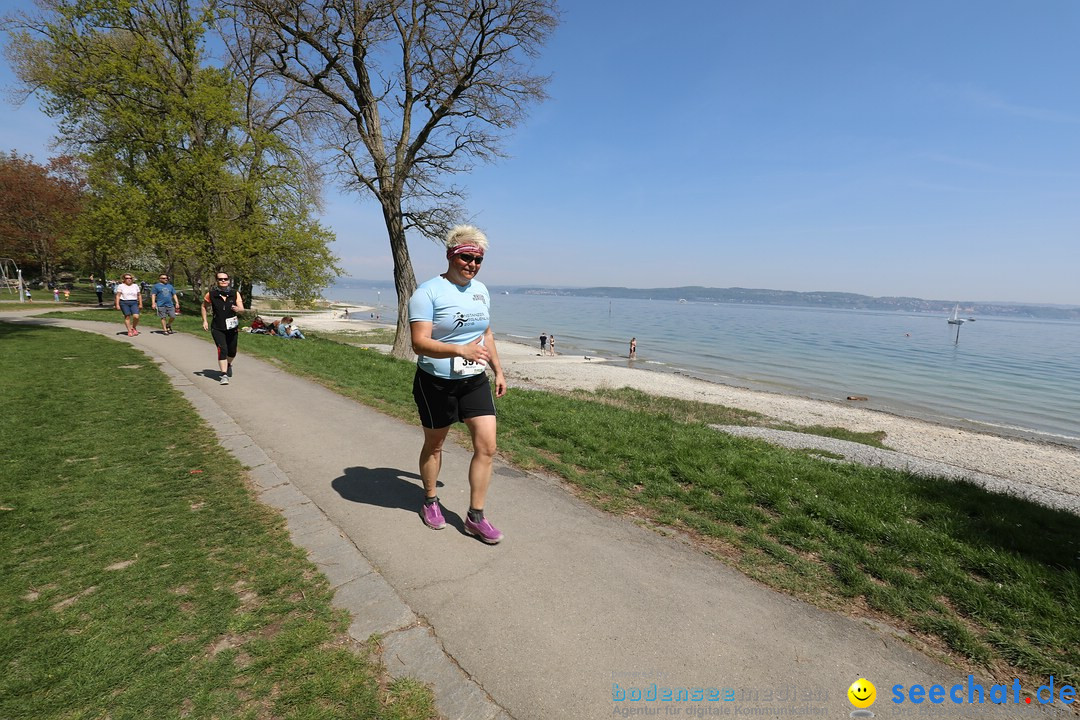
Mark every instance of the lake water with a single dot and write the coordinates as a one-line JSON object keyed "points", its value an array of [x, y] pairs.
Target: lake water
{"points": [[1005, 375]]}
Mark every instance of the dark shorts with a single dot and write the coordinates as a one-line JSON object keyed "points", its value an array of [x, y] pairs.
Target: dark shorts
{"points": [[129, 307], [443, 402], [225, 341]]}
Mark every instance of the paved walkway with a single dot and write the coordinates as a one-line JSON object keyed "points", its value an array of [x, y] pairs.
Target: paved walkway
{"points": [[572, 608]]}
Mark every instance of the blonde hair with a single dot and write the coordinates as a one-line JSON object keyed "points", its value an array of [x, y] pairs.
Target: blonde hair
{"points": [[466, 235]]}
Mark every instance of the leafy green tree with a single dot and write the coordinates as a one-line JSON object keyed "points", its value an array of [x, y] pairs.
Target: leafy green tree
{"points": [[178, 162]]}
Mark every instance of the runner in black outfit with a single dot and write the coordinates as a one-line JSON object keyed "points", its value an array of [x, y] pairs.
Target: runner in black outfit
{"points": [[225, 302]]}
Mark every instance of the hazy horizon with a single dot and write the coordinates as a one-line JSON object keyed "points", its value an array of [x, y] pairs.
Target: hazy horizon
{"points": [[390, 283]]}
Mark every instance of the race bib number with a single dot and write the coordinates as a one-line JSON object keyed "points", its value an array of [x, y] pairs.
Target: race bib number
{"points": [[461, 367], [232, 323]]}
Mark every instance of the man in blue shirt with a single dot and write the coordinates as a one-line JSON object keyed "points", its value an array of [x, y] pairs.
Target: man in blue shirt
{"points": [[163, 299]]}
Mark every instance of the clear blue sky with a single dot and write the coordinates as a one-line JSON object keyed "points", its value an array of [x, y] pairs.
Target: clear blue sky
{"points": [[911, 147]]}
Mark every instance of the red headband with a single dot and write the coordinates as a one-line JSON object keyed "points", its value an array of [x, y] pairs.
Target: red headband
{"points": [[458, 249]]}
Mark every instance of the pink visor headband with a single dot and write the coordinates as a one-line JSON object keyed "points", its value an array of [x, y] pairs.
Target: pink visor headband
{"points": [[458, 249]]}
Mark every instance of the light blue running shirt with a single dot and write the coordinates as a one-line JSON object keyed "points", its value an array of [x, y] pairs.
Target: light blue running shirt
{"points": [[458, 315]]}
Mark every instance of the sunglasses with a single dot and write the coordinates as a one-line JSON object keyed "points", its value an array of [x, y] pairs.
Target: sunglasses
{"points": [[222, 278], [467, 258]]}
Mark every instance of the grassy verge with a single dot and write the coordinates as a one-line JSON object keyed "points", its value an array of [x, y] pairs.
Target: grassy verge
{"points": [[992, 579], [139, 578], [380, 336]]}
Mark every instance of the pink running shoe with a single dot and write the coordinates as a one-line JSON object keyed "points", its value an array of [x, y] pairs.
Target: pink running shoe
{"points": [[483, 530], [131, 333], [432, 516]]}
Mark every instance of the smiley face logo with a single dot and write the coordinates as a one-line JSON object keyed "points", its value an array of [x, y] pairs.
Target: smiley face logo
{"points": [[862, 693]]}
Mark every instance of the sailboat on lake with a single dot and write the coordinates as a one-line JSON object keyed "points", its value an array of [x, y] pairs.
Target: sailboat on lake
{"points": [[956, 319]]}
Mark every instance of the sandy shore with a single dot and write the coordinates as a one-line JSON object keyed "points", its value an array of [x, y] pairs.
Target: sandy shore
{"points": [[1049, 466]]}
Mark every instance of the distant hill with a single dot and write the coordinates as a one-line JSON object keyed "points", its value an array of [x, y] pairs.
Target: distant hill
{"points": [[850, 301]]}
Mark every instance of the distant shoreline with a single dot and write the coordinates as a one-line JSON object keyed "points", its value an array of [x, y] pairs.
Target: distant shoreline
{"points": [[795, 299]]}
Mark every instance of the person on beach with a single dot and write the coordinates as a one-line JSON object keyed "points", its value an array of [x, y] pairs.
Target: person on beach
{"points": [[163, 299], [543, 343], [450, 325], [286, 328], [226, 303], [551, 344], [129, 301], [633, 348]]}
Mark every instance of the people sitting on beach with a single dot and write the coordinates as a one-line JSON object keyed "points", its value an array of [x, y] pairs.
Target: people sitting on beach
{"points": [[286, 328]]}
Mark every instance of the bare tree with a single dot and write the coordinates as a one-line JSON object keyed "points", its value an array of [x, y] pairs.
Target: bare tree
{"points": [[408, 92]]}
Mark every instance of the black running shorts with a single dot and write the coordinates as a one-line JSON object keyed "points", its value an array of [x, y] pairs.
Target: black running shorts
{"points": [[443, 402]]}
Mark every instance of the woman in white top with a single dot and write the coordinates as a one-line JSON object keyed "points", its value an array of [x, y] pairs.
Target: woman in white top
{"points": [[129, 302]]}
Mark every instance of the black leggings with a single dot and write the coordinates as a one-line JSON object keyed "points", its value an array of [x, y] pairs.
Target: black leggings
{"points": [[226, 342]]}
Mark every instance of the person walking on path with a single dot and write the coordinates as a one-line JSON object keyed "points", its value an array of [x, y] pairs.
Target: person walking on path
{"points": [[129, 301], [633, 348], [56, 294], [163, 299], [225, 303], [450, 325], [100, 290]]}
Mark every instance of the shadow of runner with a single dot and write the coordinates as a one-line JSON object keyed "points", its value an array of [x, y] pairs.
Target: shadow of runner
{"points": [[389, 488]]}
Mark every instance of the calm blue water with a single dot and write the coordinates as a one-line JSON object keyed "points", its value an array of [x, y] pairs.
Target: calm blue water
{"points": [[1010, 376]]}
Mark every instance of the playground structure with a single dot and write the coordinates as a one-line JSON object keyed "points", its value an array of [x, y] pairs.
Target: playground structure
{"points": [[11, 279]]}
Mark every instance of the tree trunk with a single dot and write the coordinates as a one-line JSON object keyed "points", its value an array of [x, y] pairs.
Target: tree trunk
{"points": [[404, 277], [245, 289]]}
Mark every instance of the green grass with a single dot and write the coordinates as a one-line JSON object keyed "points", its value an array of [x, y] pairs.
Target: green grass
{"points": [[379, 336], [993, 579], [138, 577]]}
